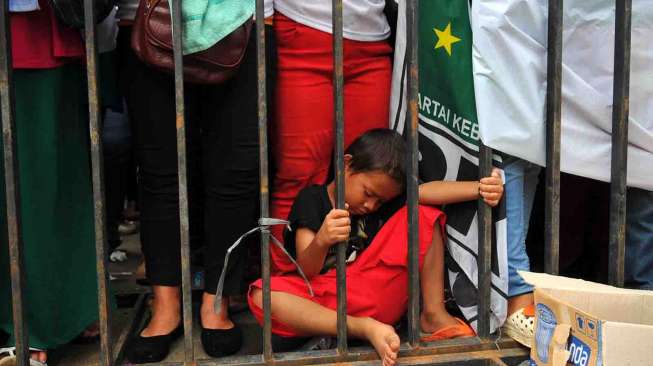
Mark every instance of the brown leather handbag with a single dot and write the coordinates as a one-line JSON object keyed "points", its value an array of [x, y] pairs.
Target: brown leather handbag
{"points": [[152, 43]]}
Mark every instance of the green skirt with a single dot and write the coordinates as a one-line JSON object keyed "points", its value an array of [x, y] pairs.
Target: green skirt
{"points": [[60, 291]]}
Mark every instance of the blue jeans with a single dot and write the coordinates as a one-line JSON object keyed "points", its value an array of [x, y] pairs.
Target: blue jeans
{"points": [[520, 186], [639, 239]]}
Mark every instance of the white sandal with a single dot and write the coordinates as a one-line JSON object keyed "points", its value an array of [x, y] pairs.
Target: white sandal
{"points": [[520, 326], [8, 357]]}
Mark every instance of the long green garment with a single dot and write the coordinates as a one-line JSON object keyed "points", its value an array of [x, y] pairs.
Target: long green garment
{"points": [[57, 207]]}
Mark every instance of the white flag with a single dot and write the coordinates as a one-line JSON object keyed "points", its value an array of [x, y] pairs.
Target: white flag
{"points": [[510, 83]]}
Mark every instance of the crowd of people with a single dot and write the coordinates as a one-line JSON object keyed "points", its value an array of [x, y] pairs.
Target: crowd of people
{"points": [[138, 104]]}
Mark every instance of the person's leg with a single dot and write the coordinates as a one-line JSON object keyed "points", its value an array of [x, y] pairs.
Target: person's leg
{"points": [[521, 183], [116, 141], [309, 318], [231, 173], [156, 151], [128, 66], [302, 134], [56, 206], [434, 315], [639, 239], [368, 74]]}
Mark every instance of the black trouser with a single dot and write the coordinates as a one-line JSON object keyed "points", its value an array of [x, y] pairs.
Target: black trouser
{"points": [[116, 143], [223, 169], [116, 140]]}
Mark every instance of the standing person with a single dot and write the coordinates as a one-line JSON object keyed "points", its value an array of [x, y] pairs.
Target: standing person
{"points": [[303, 134], [60, 293], [223, 184]]}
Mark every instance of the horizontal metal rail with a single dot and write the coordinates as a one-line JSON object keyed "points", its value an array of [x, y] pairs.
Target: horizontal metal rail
{"points": [[435, 352]]}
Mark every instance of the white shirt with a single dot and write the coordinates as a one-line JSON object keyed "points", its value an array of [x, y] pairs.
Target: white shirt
{"points": [[363, 20], [269, 7]]}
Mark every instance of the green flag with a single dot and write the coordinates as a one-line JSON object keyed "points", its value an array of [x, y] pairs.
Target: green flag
{"points": [[445, 66], [449, 143]]}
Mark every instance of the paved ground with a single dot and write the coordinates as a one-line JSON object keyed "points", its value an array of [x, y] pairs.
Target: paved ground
{"points": [[127, 289], [87, 355]]}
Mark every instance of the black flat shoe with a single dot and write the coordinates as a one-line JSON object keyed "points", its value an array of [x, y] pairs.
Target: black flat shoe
{"points": [[151, 349], [222, 342]]}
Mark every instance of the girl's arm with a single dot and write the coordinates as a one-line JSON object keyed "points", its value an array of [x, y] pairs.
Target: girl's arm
{"points": [[442, 193], [312, 247]]}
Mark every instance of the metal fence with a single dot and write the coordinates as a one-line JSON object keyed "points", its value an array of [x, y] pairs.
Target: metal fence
{"points": [[468, 351]]}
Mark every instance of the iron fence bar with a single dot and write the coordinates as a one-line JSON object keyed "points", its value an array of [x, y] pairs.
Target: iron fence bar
{"points": [[553, 120], [484, 248], [412, 171], [339, 152], [180, 122], [12, 189], [620, 103], [133, 322], [264, 182], [97, 163], [436, 352]]}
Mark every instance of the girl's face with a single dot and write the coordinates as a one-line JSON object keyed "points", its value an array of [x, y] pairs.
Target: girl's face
{"points": [[366, 192]]}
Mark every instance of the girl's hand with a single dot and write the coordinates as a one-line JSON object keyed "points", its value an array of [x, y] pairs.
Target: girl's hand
{"points": [[491, 188], [335, 228]]}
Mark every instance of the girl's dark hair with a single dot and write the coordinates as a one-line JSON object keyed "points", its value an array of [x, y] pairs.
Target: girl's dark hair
{"points": [[380, 149]]}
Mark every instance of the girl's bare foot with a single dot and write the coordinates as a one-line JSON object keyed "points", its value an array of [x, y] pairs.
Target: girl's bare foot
{"points": [[384, 339], [431, 322]]}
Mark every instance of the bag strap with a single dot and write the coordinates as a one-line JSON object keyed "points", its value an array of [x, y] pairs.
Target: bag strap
{"points": [[264, 224]]}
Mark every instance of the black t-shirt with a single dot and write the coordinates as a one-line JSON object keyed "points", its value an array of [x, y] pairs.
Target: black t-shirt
{"points": [[311, 207]]}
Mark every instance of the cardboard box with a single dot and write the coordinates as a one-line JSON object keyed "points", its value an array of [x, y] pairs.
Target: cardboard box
{"points": [[590, 324]]}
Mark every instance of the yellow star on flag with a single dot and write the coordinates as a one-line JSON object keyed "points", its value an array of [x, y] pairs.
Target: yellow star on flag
{"points": [[445, 38]]}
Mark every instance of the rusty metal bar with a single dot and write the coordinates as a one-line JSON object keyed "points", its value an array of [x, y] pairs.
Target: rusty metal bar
{"points": [[180, 122], [439, 352], [264, 183], [134, 322], [620, 105], [339, 153], [12, 189], [97, 163], [412, 180], [553, 118], [484, 248]]}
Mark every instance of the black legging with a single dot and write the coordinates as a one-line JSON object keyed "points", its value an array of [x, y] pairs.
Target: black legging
{"points": [[223, 169]]}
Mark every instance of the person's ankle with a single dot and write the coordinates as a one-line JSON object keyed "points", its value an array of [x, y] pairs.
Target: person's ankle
{"points": [[360, 327], [434, 320], [164, 320], [209, 318], [519, 302]]}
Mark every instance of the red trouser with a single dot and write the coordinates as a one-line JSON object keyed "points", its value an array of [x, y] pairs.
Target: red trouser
{"points": [[376, 281], [303, 137]]}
